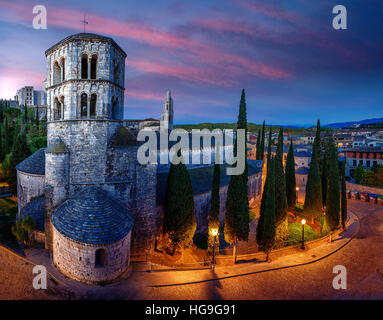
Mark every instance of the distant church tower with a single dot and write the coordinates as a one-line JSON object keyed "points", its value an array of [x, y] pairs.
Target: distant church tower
{"points": [[167, 113]]}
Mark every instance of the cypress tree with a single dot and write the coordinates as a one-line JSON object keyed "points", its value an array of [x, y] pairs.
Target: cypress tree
{"points": [[324, 169], [37, 117], [2, 155], [237, 205], [262, 146], [264, 195], [7, 142], [313, 197], [179, 215], [317, 137], [258, 146], [269, 225], [358, 175], [214, 204], [20, 151], [290, 178], [344, 197], [282, 228], [333, 192]]}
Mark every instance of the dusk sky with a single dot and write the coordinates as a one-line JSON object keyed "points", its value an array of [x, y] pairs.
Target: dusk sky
{"points": [[294, 66]]}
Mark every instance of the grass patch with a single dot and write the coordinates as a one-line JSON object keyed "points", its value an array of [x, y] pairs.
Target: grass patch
{"points": [[295, 234], [8, 211]]}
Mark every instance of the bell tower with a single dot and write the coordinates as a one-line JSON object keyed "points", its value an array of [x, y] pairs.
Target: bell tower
{"points": [[166, 122]]}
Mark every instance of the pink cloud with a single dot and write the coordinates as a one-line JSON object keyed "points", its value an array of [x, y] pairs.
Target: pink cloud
{"points": [[145, 95], [12, 79], [269, 10], [196, 51]]}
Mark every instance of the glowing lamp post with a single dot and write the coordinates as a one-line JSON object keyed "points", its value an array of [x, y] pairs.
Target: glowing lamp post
{"points": [[303, 234], [297, 189], [214, 232]]}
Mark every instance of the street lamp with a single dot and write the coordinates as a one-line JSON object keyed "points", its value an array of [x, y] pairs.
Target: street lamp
{"points": [[214, 232], [297, 189], [303, 234]]}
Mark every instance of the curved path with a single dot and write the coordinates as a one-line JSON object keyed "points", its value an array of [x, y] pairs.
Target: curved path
{"points": [[362, 257]]}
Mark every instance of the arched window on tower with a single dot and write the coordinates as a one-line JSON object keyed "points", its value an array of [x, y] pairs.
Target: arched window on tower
{"points": [[56, 73], [62, 107], [84, 67], [100, 259], [63, 69], [93, 67], [93, 103], [84, 105], [57, 110]]}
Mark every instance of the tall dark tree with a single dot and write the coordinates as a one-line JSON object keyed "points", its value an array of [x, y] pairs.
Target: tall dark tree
{"points": [[2, 155], [358, 174], [20, 151], [318, 136], [313, 196], [179, 215], [237, 205], [37, 117], [262, 146], [324, 174], [290, 178], [214, 204], [343, 196], [264, 195], [25, 115], [269, 224], [282, 228], [333, 188], [7, 136], [258, 146]]}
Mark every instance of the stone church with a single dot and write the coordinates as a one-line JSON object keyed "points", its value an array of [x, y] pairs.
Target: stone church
{"points": [[93, 203]]}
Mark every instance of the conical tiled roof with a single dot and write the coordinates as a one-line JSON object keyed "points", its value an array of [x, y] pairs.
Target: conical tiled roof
{"points": [[93, 216], [34, 164]]}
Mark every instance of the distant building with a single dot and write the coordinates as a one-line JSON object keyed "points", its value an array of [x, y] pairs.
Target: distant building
{"points": [[166, 122], [343, 140], [39, 98], [25, 96], [308, 138], [28, 97], [366, 156]]}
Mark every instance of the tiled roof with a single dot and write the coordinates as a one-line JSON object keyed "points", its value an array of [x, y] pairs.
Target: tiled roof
{"points": [[302, 170], [34, 164], [302, 154], [36, 210], [202, 178], [85, 36], [365, 149], [93, 216]]}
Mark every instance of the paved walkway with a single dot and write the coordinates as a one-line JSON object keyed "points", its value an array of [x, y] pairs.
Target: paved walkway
{"points": [[227, 282]]}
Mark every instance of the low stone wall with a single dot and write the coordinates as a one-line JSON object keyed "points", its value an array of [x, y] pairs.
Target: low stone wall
{"points": [[357, 187], [78, 261]]}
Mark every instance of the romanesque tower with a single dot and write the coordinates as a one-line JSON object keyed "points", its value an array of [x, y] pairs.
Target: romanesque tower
{"points": [[167, 113], [89, 151]]}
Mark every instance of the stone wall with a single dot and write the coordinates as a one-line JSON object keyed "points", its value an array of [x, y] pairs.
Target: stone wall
{"points": [[202, 201], [77, 260], [146, 217], [29, 187], [357, 187]]}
